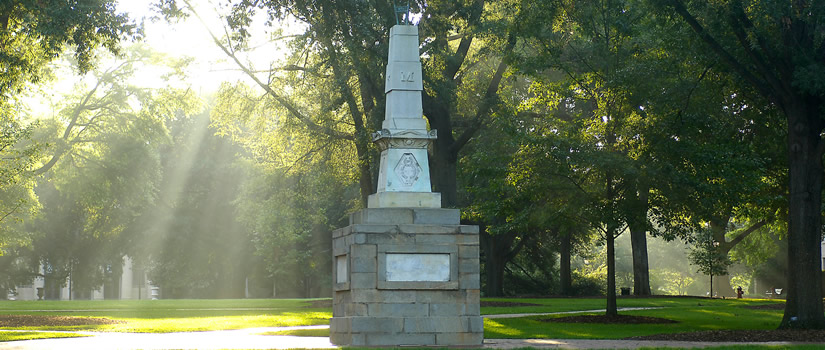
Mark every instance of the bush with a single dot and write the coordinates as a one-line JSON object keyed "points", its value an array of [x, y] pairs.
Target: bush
{"points": [[587, 285]]}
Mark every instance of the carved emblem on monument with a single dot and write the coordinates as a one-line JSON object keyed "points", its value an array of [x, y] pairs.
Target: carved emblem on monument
{"points": [[408, 169]]}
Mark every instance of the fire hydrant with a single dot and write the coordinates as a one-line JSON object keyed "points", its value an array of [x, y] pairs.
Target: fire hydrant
{"points": [[739, 292]]}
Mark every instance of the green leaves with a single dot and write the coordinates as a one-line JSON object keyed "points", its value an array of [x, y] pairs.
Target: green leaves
{"points": [[707, 256], [36, 32]]}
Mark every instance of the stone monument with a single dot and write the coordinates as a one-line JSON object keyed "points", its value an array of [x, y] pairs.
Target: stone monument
{"points": [[405, 271]]}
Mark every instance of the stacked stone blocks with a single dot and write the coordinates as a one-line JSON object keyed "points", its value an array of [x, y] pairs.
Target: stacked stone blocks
{"points": [[372, 309]]}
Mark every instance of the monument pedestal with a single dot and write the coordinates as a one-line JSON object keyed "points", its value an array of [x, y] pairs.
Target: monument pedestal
{"points": [[406, 276]]}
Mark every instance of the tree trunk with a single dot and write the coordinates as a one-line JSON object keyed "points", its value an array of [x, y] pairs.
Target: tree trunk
{"points": [[637, 224], [612, 309], [361, 137], [641, 272], [364, 174], [494, 269], [803, 308], [565, 277], [443, 173], [498, 250], [723, 286], [719, 229], [438, 112], [494, 263], [611, 227]]}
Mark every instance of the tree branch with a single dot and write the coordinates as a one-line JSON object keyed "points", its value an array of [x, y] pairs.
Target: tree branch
{"points": [[744, 234], [294, 67], [464, 45], [692, 89], [283, 101], [14, 210], [483, 111], [489, 100], [513, 252], [459, 57], [723, 54], [738, 22]]}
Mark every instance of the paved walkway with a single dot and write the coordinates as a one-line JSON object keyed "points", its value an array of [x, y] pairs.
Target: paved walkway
{"points": [[236, 339], [251, 338]]}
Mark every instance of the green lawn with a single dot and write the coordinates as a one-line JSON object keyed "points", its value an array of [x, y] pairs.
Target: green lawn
{"points": [[162, 316], [200, 315], [691, 314], [576, 304]]}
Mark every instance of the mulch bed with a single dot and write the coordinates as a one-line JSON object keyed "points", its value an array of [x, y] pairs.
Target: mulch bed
{"points": [[51, 321], [320, 304], [766, 307], [328, 303], [815, 336], [620, 319]]}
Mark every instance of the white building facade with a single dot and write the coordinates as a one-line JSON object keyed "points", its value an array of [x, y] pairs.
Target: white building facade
{"points": [[132, 285]]}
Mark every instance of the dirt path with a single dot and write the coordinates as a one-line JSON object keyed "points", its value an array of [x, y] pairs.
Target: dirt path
{"points": [[566, 312]]}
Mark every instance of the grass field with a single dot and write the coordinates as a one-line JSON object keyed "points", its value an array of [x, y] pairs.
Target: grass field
{"points": [[577, 304], [692, 314], [163, 316], [690, 319]]}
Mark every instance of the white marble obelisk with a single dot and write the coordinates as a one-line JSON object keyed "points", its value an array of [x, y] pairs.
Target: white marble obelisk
{"points": [[405, 271], [404, 173]]}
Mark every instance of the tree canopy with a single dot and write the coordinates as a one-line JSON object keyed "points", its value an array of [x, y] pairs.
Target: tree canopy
{"points": [[558, 121]]}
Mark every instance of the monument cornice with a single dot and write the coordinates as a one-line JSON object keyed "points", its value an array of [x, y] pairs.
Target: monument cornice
{"points": [[404, 139]]}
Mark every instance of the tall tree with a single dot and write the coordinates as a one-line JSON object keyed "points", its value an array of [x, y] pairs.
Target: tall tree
{"points": [[776, 49], [32, 34], [715, 154], [296, 193], [521, 187], [497, 204], [87, 203], [592, 45], [464, 71], [104, 103], [18, 155], [716, 157], [191, 241], [99, 171], [291, 216]]}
